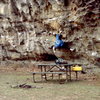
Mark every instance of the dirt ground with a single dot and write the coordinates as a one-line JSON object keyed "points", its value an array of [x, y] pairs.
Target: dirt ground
{"points": [[87, 87]]}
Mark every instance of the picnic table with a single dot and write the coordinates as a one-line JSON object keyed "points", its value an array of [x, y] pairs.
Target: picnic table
{"points": [[54, 68]]}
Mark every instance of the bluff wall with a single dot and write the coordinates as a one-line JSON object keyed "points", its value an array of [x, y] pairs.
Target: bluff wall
{"points": [[27, 28]]}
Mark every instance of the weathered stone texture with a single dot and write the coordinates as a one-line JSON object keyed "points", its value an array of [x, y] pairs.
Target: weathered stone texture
{"points": [[27, 28]]}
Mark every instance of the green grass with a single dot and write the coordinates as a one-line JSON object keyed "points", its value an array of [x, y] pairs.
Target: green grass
{"points": [[52, 90]]}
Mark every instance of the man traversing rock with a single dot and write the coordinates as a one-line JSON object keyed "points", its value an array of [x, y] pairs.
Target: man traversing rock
{"points": [[59, 43], [62, 51]]}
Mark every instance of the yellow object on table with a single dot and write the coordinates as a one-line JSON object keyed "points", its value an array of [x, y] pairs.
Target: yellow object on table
{"points": [[77, 68]]}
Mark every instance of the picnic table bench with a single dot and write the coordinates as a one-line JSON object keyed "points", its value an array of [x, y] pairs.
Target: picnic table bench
{"points": [[49, 69], [44, 74]]}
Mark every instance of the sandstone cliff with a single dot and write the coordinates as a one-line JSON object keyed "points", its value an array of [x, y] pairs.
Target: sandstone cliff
{"points": [[27, 28]]}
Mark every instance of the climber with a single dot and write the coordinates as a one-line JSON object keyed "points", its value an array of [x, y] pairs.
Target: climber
{"points": [[59, 43], [63, 52]]}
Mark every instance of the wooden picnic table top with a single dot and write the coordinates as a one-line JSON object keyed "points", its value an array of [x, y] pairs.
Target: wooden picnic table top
{"points": [[54, 64]]}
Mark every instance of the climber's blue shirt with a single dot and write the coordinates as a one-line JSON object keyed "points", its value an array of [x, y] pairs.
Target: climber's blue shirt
{"points": [[58, 42]]}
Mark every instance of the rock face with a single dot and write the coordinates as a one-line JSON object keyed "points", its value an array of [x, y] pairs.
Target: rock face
{"points": [[27, 28]]}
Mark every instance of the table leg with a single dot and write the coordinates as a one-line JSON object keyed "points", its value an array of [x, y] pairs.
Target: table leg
{"points": [[41, 74], [34, 78], [45, 74], [52, 76], [76, 75], [66, 74], [59, 76], [70, 72]]}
